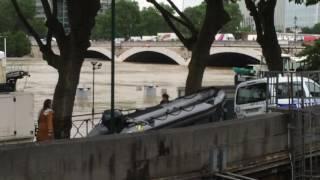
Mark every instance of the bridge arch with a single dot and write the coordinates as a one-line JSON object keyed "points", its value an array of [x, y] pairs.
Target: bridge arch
{"points": [[152, 51], [251, 52], [99, 53], [233, 56]]}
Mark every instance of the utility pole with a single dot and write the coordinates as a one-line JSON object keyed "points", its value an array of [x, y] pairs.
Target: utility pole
{"points": [[113, 34], [295, 33]]}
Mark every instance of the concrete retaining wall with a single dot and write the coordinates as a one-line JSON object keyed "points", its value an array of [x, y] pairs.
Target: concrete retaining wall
{"points": [[228, 145]]}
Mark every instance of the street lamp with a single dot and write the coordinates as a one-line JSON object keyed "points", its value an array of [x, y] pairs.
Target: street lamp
{"points": [[95, 66]]}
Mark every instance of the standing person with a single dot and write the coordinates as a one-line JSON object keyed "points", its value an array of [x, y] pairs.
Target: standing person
{"points": [[45, 122], [165, 98]]}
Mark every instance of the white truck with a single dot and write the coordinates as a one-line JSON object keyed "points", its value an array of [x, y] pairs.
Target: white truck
{"points": [[252, 97]]}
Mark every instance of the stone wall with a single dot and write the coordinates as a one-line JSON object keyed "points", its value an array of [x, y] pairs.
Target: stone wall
{"points": [[229, 145]]}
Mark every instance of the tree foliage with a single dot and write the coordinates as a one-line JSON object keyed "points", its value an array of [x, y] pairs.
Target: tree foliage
{"points": [[17, 41], [151, 22], [8, 17], [18, 44], [313, 30], [148, 21], [197, 13], [312, 54], [236, 18]]}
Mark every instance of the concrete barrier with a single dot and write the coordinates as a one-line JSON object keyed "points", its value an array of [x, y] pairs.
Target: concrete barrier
{"points": [[227, 145]]}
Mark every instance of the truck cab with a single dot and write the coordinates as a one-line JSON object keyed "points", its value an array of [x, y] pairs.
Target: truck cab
{"points": [[256, 96]]}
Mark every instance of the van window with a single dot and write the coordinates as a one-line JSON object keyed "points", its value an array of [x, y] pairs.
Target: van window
{"points": [[252, 93], [283, 90], [314, 89]]}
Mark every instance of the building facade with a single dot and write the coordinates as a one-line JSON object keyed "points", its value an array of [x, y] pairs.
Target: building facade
{"points": [[285, 14]]}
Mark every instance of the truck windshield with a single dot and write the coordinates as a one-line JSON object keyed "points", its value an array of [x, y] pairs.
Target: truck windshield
{"points": [[252, 93], [314, 89]]}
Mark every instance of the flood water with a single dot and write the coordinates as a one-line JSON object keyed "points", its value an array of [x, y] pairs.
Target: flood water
{"points": [[131, 88]]}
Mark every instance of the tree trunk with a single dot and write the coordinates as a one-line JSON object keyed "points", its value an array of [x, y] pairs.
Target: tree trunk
{"points": [[214, 20], [272, 52], [64, 94], [266, 31], [196, 71], [271, 49]]}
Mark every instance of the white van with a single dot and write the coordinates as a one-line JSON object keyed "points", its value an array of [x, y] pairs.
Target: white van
{"points": [[251, 96]]}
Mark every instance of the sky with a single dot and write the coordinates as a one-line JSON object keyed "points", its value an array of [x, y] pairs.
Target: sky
{"points": [[180, 3]]}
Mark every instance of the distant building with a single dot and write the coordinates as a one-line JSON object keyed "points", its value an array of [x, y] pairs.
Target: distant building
{"points": [[285, 14]]}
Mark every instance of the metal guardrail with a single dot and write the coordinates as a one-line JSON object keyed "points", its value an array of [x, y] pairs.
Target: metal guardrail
{"points": [[82, 124]]}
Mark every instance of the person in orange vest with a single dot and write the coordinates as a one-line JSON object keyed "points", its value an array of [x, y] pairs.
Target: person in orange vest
{"points": [[45, 122]]}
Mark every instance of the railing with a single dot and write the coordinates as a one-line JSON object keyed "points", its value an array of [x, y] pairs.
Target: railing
{"points": [[82, 124]]}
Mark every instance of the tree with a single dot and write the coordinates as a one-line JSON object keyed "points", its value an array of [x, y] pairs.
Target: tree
{"points": [[312, 54], [102, 29], [198, 40], [18, 44], [151, 22], [72, 47], [197, 13], [125, 26], [8, 16], [236, 17], [262, 12], [313, 30], [17, 41]]}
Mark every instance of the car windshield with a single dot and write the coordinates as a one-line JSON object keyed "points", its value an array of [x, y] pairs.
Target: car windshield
{"points": [[252, 93]]}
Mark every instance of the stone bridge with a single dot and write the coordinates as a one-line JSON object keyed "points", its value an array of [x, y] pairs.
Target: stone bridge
{"points": [[224, 53]]}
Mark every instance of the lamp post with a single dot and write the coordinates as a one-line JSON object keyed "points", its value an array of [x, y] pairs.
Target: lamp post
{"points": [[95, 66]]}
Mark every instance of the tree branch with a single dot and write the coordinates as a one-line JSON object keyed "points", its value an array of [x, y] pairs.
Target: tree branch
{"points": [[47, 11], [27, 25], [54, 26], [46, 8], [188, 22], [188, 43], [52, 59]]}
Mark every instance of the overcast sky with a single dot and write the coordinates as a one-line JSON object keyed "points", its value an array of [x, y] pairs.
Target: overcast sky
{"points": [[179, 3]]}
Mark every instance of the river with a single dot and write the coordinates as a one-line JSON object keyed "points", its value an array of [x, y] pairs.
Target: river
{"points": [[130, 80]]}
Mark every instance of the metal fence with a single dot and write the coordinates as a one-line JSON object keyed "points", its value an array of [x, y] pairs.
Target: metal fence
{"points": [[84, 123], [292, 90], [299, 93]]}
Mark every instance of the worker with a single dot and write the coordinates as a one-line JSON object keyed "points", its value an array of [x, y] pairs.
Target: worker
{"points": [[45, 122]]}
